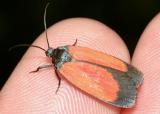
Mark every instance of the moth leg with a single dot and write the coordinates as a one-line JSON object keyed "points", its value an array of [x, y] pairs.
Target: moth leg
{"points": [[75, 43], [59, 81], [41, 67]]}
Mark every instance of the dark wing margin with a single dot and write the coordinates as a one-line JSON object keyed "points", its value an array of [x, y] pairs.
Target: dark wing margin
{"points": [[129, 82]]}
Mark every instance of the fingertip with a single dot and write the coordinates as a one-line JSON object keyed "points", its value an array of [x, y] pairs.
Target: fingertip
{"points": [[89, 33], [146, 58], [35, 89]]}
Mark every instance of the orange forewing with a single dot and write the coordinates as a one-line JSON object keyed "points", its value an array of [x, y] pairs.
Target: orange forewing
{"points": [[98, 74], [92, 79], [93, 56]]}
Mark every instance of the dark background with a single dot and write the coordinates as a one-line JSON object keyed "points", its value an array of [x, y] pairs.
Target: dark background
{"points": [[21, 21]]}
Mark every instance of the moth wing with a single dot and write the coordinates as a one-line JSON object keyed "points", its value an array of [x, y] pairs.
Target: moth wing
{"points": [[100, 58], [107, 84]]}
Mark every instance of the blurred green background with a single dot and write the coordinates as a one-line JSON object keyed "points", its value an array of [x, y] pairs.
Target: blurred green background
{"points": [[21, 21]]}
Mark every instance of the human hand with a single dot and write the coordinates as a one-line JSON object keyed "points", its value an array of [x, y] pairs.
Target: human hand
{"points": [[34, 93]]}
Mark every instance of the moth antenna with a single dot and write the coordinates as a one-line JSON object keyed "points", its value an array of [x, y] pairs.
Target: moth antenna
{"points": [[26, 45], [45, 26]]}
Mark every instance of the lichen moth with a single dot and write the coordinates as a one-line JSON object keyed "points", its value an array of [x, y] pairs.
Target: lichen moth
{"points": [[102, 76]]}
